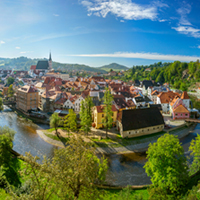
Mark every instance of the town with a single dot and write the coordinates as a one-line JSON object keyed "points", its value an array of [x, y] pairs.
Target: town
{"points": [[138, 107]]}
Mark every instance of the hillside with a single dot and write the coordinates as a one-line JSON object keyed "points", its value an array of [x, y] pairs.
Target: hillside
{"points": [[113, 66], [24, 63]]}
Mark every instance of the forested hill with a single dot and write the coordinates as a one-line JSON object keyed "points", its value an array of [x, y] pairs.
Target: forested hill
{"points": [[24, 63], [179, 74], [113, 66]]}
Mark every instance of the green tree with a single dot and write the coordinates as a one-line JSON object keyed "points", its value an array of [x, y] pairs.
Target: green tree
{"points": [[86, 114], [8, 166], [10, 80], [195, 152], [1, 104], [183, 86], [10, 91], [70, 121], [108, 113], [80, 171], [39, 182], [71, 174], [55, 121], [167, 165]]}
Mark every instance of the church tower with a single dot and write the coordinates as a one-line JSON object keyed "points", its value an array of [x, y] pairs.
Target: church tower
{"points": [[50, 62]]}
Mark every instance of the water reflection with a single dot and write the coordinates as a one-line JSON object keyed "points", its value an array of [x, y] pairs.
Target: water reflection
{"points": [[26, 138], [127, 169]]}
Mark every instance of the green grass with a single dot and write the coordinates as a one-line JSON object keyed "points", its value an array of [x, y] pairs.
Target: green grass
{"points": [[54, 137], [53, 129]]}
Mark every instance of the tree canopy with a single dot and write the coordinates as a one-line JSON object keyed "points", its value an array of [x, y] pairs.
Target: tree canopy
{"points": [[55, 121], [108, 113], [167, 164]]}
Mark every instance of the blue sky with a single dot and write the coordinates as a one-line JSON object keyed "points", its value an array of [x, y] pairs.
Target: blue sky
{"points": [[98, 32]]}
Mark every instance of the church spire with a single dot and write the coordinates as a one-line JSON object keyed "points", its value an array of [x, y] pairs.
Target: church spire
{"points": [[50, 56]]}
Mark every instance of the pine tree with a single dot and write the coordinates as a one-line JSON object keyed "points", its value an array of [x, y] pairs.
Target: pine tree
{"points": [[108, 113], [86, 114], [70, 121]]}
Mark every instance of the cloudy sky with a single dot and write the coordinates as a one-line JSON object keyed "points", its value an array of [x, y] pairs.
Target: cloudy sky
{"points": [[98, 32]]}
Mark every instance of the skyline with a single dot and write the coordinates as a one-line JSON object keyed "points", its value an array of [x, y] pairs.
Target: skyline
{"points": [[100, 32]]}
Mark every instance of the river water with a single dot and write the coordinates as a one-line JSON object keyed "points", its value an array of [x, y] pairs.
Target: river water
{"points": [[126, 169]]}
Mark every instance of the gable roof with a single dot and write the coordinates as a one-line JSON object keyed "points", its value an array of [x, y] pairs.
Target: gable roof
{"points": [[33, 67], [42, 64], [100, 108], [180, 109], [132, 119], [184, 95]]}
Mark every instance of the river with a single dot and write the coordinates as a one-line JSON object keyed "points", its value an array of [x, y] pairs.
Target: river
{"points": [[126, 169]]}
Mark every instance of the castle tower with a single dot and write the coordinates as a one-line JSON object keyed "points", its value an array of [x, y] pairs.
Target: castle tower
{"points": [[50, 62]]}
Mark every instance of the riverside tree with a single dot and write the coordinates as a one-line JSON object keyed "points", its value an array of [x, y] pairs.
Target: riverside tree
{"points": [[55, 121], [108, 113], [195, 152], [167, 165], [86, 114], [70, 121], [1, 104], [10, 91]]}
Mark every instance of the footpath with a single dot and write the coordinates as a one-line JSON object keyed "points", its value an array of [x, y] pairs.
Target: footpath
{"points": [[142, 147]]}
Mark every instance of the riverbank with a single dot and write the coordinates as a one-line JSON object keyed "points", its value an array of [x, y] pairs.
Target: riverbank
{"points": [[132, 148]]}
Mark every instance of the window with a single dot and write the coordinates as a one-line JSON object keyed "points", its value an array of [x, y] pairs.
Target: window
{"points": [[102, 115], [129, 133], [176, 114], [186, 114]]}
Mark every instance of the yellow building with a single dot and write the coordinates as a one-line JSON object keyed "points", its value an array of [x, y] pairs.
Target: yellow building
{"points": [[27, 98], [99, 115]]}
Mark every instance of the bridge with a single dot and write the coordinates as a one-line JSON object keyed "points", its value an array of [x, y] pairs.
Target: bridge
{"points": [[192, 120]]}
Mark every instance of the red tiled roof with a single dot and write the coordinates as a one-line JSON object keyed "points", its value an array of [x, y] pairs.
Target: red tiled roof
{"points": [[100, 108], [185, 95], [180, 109], [33, 67]]}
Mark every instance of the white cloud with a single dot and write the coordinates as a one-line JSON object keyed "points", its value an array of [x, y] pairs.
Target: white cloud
{"points": [[188, 30], [17, 48], [23, 52], [148, 56], [184, 26], [198, 46], [56, 15], [2, 42], [162, 20], [183, 11], [121, 20], [125, 9]]}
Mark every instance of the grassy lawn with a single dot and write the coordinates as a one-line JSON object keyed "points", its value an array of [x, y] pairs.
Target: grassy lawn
{"points": [[53, 129], [54, 137], [120, 142]]}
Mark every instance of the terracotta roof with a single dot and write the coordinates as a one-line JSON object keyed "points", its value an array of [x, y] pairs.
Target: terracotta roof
{"points": [[167, 97], [100, 108], [28, 89], [185, 95], [180, 109], [155, 92], [33, 67]]}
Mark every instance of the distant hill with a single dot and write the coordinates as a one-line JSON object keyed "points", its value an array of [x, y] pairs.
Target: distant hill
{"points": [[114, 66], [24, 63]]}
